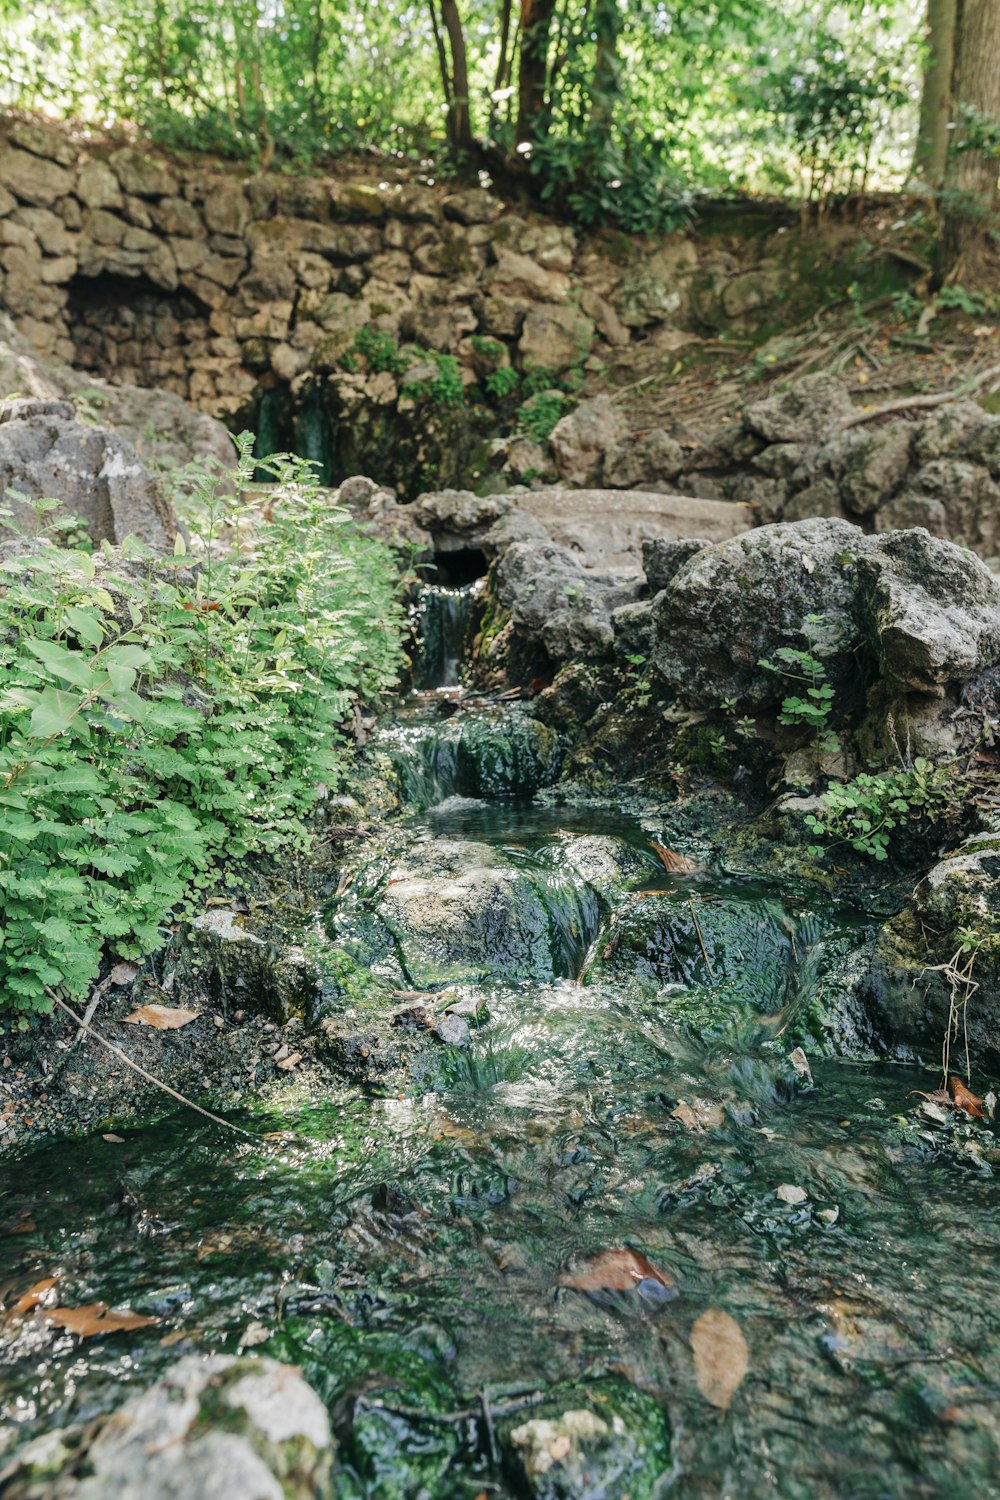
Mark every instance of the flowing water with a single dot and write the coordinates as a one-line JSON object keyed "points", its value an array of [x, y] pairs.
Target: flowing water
{"points": [[403, 1241]]}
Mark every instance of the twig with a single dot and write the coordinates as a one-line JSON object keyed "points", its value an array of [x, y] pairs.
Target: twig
{"points": [[129, 1062], [704, 950], [921, 403], [469, 1413]]}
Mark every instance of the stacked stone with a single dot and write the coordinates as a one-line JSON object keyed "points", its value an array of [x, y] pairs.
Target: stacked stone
{"points": [[244, 281]]}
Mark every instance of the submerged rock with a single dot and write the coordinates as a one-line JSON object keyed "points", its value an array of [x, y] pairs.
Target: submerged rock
{"points": [[451, 909], [621, 1448]]}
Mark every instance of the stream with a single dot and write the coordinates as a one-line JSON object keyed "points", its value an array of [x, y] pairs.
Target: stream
{"points": [[405, 1239]]}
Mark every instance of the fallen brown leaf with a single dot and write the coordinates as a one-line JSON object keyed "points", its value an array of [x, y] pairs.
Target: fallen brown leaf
{"points": [[163, 1017], [673, 863], [721, 1357], [614, 1271], [965, 1100], [95, 1318], [31, 1298], [123, 973]]}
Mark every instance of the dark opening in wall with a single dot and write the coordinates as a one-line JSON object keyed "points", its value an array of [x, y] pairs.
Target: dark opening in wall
{"points": [[126, 329], [464, 565]]}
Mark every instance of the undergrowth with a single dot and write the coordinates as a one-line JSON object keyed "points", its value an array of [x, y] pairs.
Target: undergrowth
{"points": [[159, 718]]}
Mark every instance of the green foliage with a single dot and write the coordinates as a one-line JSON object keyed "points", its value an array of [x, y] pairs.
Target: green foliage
{"points": [[445, 387], [159, 717], [488, 349], [957, 299], [539, 415], [501, 382], [811, 709], [635, 103], [380, 350], [865, 812]]}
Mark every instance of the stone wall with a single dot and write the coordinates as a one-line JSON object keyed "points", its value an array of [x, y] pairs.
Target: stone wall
{"points": [[218, 285]]}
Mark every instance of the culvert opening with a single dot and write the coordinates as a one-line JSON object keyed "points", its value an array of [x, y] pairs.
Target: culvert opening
{"points": [[127, 329], [464, 565]]}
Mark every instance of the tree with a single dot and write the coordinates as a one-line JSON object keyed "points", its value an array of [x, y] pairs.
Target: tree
{"points": [[454, 79], [536, 27], [931, 154], [974, 158]]}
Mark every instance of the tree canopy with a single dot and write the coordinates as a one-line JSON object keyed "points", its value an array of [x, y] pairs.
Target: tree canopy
{"points": [[616, 110]]}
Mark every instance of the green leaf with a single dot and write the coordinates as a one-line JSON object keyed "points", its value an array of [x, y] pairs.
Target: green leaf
{"points": [[87, 627], [54, 713]]}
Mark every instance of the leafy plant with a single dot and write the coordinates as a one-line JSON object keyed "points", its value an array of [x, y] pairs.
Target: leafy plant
{"points": [[865, 812], [501, 382], [445, 387], [539, 415], [811, 708], [957, 299], [380, 349], [160, 717]]}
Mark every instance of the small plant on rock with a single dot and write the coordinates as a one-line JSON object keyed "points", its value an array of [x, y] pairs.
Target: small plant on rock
{"points": [[811, 706], [864, 813]]}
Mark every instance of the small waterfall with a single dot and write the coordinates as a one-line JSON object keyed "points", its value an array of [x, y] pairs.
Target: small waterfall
{"points": [[441, 619]]}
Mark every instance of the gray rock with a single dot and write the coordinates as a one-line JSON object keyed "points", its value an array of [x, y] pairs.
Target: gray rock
{"points": [[453, 1031], [582, 438], [554, 602], [930, 612], [803, 414], [662, 558], [96, 475], [555, 337], [643, 462], [214, 1428], [656, 288], [874, 466], [907, 611]]}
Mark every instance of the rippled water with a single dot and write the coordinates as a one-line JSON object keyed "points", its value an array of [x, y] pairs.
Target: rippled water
{"points": [[403, 1244]]}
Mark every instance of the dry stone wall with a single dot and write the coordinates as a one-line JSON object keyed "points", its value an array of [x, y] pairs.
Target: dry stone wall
{"points": [[217, 284]]}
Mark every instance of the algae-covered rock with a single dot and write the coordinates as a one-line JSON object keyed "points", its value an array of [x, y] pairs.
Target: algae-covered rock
{"points": [[502, 753], [213, 1428], [616, 1444], [450, 909], [936, 968]]}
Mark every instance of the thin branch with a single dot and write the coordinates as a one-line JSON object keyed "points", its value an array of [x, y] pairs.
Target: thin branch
{"points": [[922, 403], [149, 1077]]}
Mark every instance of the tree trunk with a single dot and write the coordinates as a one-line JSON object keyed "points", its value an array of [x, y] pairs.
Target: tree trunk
{"points": [[931, 151], [607, 27], [971, 174], [459, 116], [536, 26]]}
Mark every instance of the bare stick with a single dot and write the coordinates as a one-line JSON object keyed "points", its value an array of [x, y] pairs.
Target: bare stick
{"points": [[84, 1025], [921, 403]]}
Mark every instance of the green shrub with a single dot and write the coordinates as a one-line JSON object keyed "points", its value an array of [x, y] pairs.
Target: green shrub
{"points": [[160, 717], [502, 382], [380, 350]]}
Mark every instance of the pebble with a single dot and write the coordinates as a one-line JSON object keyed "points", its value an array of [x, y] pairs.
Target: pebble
{"points": [[789, 1193]]}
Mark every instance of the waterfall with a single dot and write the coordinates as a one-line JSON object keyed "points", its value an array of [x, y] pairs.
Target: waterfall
{"points": [[441, 619]]}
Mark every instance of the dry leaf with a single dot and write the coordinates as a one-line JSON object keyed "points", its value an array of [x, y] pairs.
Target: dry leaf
{"points": [[800, 1063], [721, 1357], [290, 1062], [87, 1322], [965, 1100], [123, 973], [114, 1140], [615, 1271], [163, 1017], [675, 864], [789, 1193], [31, 1298]]}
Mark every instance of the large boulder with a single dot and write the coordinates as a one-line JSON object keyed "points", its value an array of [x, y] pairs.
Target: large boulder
{"points": [[582, 438], [557, 604], [915, 614], [46, 453]]}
